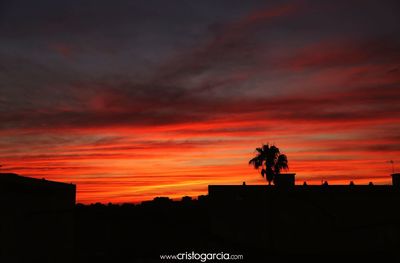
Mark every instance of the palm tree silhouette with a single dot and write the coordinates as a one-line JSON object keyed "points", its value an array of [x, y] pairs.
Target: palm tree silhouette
{"points": [[270, 160]]}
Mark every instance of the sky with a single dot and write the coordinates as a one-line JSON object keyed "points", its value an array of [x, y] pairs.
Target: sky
{"points": [[136, 99]]}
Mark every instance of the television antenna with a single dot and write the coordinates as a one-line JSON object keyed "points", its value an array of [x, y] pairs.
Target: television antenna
{"points": [[391, 161]]}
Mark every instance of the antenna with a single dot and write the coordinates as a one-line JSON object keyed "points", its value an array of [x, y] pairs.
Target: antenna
{"points": [[392, 162]]}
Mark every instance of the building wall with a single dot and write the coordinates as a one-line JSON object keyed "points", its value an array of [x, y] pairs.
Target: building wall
{"points": [[396, 180], [307, 219], [36, 222]]}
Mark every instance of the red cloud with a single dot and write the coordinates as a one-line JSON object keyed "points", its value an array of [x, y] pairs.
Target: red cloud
{"points": [[333, 53], [268, 13], [62, 49]]}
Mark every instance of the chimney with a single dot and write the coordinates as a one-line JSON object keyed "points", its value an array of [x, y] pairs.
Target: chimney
{"points": [[396, 180]]}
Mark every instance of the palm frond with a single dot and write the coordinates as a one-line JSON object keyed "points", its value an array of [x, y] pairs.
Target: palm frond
{"points": [[281, 163], [270, 160], [256, 162]]}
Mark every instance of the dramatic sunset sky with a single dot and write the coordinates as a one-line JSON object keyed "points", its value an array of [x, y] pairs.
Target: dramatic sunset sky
{"points": [[135, 99]]}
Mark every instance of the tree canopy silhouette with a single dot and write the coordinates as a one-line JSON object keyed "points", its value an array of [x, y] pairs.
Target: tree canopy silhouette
{"points": [[270, 160]]}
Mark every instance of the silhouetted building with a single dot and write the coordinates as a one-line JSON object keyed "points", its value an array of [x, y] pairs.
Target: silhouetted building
{"points": [[186, 199], [307, 219], [396, 180], [260, 222], [285, 180], [36, 222]]}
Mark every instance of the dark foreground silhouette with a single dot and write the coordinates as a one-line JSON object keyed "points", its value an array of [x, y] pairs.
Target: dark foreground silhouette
{"points": [[41, 222]]}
